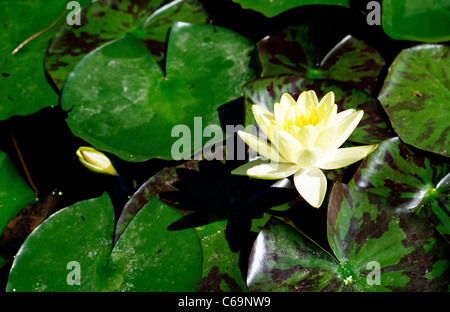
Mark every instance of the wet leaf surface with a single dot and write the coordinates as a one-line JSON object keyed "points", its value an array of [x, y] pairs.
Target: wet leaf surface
{"points": [[146, 258], [150, 20], [130, 108], [410, 178], [363, 228]]}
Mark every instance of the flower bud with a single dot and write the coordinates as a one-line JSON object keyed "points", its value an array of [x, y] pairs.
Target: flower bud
{"points": [[95, 161]]}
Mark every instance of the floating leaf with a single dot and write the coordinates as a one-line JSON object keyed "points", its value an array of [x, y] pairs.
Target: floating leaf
{"points": [[221, 271], [157, 259], [25, 89], [267, 91], [107, 20], [364, 231], [415, 96], [418, 20], [121, 102], [410, 179], [77, 233], [147, 257], [272, 8], [282, 260], [15, 193], [294, 51]]}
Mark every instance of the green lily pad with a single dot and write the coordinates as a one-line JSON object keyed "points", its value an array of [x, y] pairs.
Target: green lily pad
{"points": [[221, 272], [147, 257], [294, 51], [267, 91], [409, 178], [417, 20], [105, 21], [25, 89], [415, 96], [121, 101], [15, 193], [272, 8], [377, 246]]}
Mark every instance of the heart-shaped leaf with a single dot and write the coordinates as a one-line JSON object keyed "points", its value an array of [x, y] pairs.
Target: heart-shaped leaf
{"points": [[121, 101], [107, 20], [294, 51], [418, 20], [71, 251], [77, 233], [273, 8], [415, 95], [378, 247], [409, 178], [267, 91]]}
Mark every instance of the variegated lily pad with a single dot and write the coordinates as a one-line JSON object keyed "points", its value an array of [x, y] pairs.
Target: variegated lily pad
{"points": [[294, 51], [107, 20], [409, 178], [377, 245], [416, 96]]}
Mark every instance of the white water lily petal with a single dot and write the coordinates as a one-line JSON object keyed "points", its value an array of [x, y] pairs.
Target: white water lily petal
{"points": [[344, 114], [345, 156], [347, 126], [334, 136], [314, 98], [307, 135], [287, 100], [262, 115], [280, 112], [242, 170], [286, 144], [261, 147], [272, 171], [308, 158], [312, 185]]}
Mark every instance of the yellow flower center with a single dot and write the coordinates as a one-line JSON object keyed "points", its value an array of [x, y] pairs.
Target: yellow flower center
{"points": [[309, 117]]}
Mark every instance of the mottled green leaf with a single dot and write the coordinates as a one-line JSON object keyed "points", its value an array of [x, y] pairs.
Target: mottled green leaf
{"points": [[417, 20], [15, 193], [378, 245], [295, 51], [267, 91], [123, 103], [272, 8], [107, 20], [147, 257], [415, 96], [409, 178], [364, 227], [221, 270], [283, 259]]}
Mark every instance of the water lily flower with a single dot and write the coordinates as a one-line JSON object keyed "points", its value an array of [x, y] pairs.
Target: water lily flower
{"points": [[305, 137], [95, 160]]}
